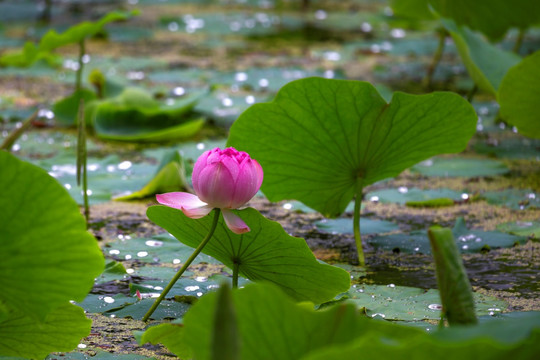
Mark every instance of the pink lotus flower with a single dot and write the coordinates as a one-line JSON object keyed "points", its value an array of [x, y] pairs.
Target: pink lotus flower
{"points": [[224, 179]]}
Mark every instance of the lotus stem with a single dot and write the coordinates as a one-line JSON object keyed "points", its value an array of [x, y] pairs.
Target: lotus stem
{"points": [[78, 79], [436, 58], [82, 155], [519, 41], [15, 134], [236, 267], [185, 266], [356, 228]]}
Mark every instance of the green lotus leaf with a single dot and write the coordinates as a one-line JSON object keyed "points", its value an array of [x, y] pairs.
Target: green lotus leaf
{"points": [[321, 141], [48, 257], [518, 96], [61, 330], [266, 253], [485, 63]]}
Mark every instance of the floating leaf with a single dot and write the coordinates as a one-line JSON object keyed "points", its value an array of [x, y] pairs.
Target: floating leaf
{"points": [[485, 63], [104, 303], [403, 195], [320, 139], [60, 330], [99, 354], [518, 95], [518, 199], [461, 167], [405, 303], [160, 248], [517, 148], [521, 228], [368, 226], [266, 253], [467, 240], [48, 256], [166, 310]]}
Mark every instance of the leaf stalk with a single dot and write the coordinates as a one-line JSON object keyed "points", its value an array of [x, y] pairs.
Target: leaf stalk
{"points": [[356, 226], [185, 266]]}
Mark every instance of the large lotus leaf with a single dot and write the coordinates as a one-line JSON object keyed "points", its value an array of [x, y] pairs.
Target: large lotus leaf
{"points": [[61, 330], [485, 63], [322, 140], [516, 339], [491, 17], [518, 96], [272, 326], [171, 334], [48, 257], [266, 253], [414, 9]]}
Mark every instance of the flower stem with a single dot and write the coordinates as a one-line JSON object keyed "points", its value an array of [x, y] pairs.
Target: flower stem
{"points": [[427, 82], [185, 266], [236, 267], [356, 227]]}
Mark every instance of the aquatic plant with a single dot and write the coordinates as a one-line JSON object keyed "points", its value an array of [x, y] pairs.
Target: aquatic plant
{"points": [[225, 180], [322, 141], [222, 179], [48, 260]]}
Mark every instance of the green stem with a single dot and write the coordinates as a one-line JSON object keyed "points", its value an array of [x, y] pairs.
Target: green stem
{"points": [[78, 79], [82, 159], [15, 134], [236, 267], [185, 266], [356, 227], [471, 93], [436, 59], [519, 41]]}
